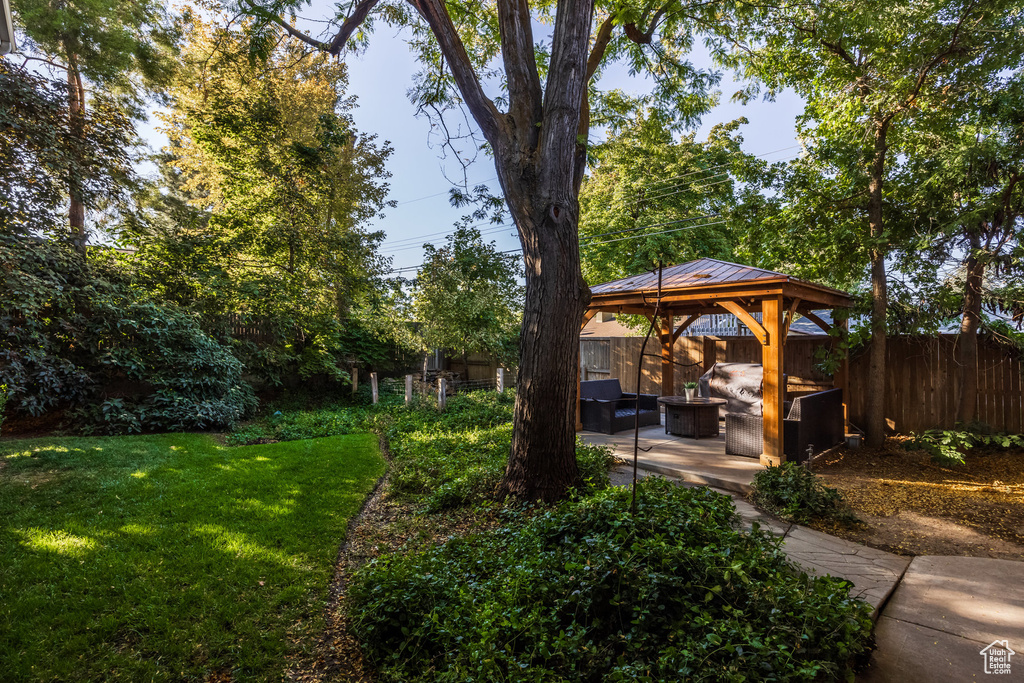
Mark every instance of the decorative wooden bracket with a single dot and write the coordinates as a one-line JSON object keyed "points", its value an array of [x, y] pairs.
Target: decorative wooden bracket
{"points": [[790, 314], [588, 316], [746, 319], [686, 323], [817, 321]]}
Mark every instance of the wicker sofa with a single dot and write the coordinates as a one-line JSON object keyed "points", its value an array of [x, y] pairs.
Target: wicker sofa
{"points": [[813, 420], [604, 408]]}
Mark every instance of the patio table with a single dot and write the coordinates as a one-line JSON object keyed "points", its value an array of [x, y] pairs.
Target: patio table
{"points": [[693, 417]]}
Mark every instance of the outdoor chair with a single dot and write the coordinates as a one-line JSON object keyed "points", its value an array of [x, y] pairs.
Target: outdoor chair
{"points": [[812, 420], [604, 408]]}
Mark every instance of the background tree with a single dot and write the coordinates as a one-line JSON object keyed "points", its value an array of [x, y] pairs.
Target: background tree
{"points": [[865, 68], [119, 48], [75, 335], [467, 297], [966, 168], [267, 188], [536, 126], [651, 199]]}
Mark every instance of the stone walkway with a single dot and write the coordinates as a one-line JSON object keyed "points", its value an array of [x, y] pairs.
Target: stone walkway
{"points": [[934, 615]]}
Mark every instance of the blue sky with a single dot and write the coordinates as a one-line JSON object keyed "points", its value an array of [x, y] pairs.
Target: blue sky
{"points": [[380, 79]]}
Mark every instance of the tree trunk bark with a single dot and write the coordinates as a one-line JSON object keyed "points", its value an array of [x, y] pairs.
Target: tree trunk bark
{"points": [[969, 335], [76, 116], [879, 293], [542, 463]]}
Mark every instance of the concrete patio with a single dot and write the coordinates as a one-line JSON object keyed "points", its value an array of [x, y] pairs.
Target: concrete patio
{"points": [[699, 461]]}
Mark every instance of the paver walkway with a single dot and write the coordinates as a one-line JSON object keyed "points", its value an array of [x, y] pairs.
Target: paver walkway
{"points": [[942, 613]]}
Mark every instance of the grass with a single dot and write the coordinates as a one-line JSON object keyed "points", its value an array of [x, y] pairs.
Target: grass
{"points": [[170, 557]]}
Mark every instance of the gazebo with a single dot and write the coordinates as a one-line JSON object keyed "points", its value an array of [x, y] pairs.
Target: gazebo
{"points": [[708, 286]]}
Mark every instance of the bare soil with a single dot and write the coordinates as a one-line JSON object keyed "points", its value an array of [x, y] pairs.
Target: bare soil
{"points": [[912, 505]]}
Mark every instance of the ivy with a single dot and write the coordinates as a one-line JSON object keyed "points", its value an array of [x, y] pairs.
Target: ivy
{"points": [[950, 446]]}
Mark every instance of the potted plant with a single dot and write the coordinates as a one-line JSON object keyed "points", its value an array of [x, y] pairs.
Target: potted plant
{"points": [[691, 390]]}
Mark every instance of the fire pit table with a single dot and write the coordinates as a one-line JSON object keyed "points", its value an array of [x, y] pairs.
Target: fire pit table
{"points": [[693, 417]]}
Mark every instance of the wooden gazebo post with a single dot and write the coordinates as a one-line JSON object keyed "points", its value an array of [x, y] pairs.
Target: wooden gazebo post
{"points": [[772, 360]]}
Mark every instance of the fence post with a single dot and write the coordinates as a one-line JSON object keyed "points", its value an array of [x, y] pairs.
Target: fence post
{"points": [[408, 389], [373, 386], [442, 392], [355, 379], [501, 380]]}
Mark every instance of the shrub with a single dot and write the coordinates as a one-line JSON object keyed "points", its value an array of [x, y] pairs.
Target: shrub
{"points": [[73, 335], [950, 446], [585, 592], [794, 493]]}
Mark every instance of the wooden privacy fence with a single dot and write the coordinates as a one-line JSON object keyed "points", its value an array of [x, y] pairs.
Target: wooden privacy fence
{"points": [[922, 382]]}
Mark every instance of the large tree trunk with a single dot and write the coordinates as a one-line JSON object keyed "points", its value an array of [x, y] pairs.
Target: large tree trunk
{"points": [[879, 293], [542, 463], [969, 324]]}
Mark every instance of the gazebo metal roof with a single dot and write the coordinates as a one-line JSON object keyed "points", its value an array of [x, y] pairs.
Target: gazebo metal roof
{"points": [[708, 279]]}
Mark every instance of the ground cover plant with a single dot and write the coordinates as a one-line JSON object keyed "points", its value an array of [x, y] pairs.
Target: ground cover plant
{"points": [[951, 446], [795, 494], [585, 592], [170, 557], [441, 459]]}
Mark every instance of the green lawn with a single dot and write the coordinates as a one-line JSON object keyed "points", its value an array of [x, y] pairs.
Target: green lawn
{"points": [[170, 557]]}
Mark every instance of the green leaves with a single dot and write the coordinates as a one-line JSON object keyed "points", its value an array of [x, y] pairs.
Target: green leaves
{"points": [[72, 329], [467, 296], [587, 592], [794, 493], [950, 446]]}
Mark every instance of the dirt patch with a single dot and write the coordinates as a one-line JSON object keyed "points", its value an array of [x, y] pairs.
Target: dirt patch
{"points": [[914, 506]]}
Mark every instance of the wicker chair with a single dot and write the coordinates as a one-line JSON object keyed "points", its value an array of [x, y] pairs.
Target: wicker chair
{"points": [[604, 408], [812, 420]]}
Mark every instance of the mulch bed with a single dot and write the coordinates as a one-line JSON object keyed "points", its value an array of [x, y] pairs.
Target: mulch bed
{"points": [[912, 505]]}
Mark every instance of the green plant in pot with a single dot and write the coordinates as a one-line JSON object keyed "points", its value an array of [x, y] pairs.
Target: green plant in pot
{"points": [[691, 390]]}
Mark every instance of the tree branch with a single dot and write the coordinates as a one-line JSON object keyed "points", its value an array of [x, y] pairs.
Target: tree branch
{"points": [[564, 93], [525, 97], [291, 30], [634, 34], [482, 109], [351, 23], [601, 40]]}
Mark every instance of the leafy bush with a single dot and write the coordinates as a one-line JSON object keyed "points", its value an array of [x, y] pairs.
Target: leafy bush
{"points": [[950, 446], [73, 335], [585, 592], [794, 493]]}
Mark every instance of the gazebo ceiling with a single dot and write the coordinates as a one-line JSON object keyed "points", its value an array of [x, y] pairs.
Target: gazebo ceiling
{"points": [[708, 279]]}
